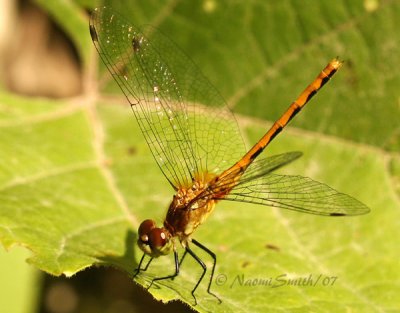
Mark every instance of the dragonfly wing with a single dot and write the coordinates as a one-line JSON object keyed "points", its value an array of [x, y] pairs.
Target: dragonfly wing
{"points": [[165, 89], [296, 193], [264, 166]]}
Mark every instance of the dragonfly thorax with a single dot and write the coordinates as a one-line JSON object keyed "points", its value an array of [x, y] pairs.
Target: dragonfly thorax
{"points": [[189, 208], [188, 198]]}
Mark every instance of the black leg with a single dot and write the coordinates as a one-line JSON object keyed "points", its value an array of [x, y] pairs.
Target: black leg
{"points": [[214, 257], [140, 265], [147, 265], [180, 262], [169, 276], [204, 268], [183, 256]]}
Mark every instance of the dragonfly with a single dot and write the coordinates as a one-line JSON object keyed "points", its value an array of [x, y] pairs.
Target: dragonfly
{"points": [[199, 148]]}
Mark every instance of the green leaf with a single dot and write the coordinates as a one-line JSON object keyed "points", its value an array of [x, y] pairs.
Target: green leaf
{"points": [[76, 177]]}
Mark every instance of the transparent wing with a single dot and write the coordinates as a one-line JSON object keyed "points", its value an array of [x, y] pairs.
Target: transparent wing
{"points": [[166, 90], [259, 185], [262, 167], [295, 193]]}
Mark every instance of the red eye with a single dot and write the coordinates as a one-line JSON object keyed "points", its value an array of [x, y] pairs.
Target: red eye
{"points": [[157, 238], [145, 228]]}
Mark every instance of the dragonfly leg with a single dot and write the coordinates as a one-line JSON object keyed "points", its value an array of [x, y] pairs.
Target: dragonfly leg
{"points": [[147, 265], [214, 257], [183, 256], [181, 260], [169, 276], [139, 269]]}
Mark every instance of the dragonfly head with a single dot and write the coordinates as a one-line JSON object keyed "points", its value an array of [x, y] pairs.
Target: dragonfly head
{"points": [[154, 241]]}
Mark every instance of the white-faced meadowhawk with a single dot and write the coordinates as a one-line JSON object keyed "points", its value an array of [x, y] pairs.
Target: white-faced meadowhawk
{"points": [[197, 147]]}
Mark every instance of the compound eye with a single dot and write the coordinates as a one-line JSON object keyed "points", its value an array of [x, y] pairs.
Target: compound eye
{"points": [[145, 228], [157, 238]]}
